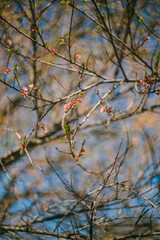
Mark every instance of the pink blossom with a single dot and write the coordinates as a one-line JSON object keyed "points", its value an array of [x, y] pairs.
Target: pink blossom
{"points": [[79, 99], [78, 56], [31, 85], [43, 125], [102, 109], [147, 38], [9, 41], [158, 91], [109, 109], [67, 106], [142, 81], [145, 84], [25, 94], [25, 89], [146, 81], [7, 70], [79, 72], [53, 50], [149, 76], [23, 145]]}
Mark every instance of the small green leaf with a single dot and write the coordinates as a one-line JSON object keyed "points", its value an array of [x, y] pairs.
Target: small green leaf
{"points": [[142, 30], [66, 2], [46, 44], [25, 139], [10, 53], [67, 129], [15, 67], [157, 57], [153, 72], [61, 41], [80, 95], [83, 65], [99, 27], [12, 32], [140, 20]]}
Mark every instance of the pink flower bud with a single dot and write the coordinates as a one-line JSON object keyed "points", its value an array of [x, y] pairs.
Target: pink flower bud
{"points": [[149, 76], [158, 91], [78, 56], [7, 70], [109, 109], [31, 85], [9, 41], [67, 106], [44, 130], [53, 50], [43, 125], [79, 99], [25, 89], [25, 94], [147, 38], [102, 109], [142, 80]]}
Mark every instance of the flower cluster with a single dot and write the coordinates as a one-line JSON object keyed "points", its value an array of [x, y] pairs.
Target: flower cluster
{"points": [[43, 126], [74, 103], [23, 145], [6, 71], [25, 92], [106, 109], [25, 89], [109, 109], [80, 73], [67, 106], [147, 81]]}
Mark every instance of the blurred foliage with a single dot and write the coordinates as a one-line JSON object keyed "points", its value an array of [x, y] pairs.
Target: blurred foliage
{"points": [[79, 119]]}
